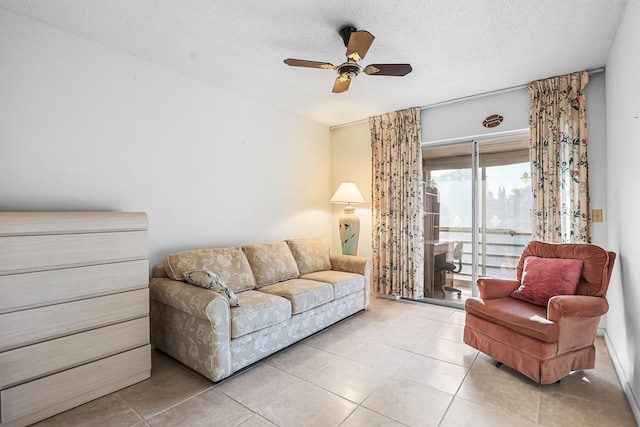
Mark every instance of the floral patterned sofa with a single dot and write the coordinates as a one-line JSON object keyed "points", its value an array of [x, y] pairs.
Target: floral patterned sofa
{"points": [[285, 291]]}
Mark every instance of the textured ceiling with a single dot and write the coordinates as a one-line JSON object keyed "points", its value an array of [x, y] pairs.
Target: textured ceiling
{"points": [[457, 48]]}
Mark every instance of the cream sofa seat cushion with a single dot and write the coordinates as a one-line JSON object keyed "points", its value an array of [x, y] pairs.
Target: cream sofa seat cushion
{"points": [[344, 283], [258, 310], [303, 294], [271, 262], [311, 254], [229, 263]]}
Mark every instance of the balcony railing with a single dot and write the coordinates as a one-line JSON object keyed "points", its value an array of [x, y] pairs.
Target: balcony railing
{"points": [[499, 250]]}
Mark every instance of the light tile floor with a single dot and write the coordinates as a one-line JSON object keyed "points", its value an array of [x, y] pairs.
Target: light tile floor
{"points": [[395, 364]]}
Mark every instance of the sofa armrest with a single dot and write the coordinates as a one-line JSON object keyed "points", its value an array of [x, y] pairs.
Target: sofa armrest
{"points": [[354, 264], [349, 263], [496, 288], [576, 306], [158, 271], [184, 297], [203, 304]]}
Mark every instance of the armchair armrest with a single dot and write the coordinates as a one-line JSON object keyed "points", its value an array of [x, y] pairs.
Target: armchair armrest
{"points": [[577, 317], [496, 288], [576, 306]]}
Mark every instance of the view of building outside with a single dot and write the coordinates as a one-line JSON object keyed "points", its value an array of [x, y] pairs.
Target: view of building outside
{"points": [[504, 221]]}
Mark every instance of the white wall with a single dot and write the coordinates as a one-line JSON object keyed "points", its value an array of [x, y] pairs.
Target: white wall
{"points": [[86, 127], [623, 231], [598, 170], [464, 118], [351, 161]]}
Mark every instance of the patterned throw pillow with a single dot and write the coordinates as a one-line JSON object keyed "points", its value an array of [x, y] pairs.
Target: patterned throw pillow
{"points": [[209, 280]]}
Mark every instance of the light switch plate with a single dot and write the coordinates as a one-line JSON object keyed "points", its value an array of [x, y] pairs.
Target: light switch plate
{"points": [[596, 215]]}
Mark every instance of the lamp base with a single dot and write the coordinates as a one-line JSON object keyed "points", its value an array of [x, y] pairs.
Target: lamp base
{"points": [[349, 227]]}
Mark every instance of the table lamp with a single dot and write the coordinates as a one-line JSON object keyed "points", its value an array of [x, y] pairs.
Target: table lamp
{"points": [[349, 223]]}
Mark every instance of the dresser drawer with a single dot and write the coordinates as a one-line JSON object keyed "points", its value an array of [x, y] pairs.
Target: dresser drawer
{"points": [[31, 402], [33, 223], [23, 254], [45, 323], [29, 290], [37, 360]]}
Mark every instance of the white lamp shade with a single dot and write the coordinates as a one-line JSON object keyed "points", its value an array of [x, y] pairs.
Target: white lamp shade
{"points": [[347, 193]]}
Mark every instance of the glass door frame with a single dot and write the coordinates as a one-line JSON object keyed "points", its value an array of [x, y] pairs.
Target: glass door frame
{"points": [[475, 221], [476, 186]]}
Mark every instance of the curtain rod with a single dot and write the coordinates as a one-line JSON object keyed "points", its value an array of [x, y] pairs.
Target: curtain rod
{"points": [[466, 98]]}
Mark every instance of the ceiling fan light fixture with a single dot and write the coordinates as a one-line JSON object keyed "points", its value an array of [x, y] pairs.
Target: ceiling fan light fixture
{"points": [[348, 70]]}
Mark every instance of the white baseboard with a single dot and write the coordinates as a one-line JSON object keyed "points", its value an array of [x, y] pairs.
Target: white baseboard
{"points": [[622, 377]]}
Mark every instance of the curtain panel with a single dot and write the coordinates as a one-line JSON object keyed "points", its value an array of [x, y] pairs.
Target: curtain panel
{"points": [[558, 154], [397, 257]]}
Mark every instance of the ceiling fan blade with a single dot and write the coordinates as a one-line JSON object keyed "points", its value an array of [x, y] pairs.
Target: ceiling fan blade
{"points": [[388, 69], [341, 85], [308, 64], [359, 44]]}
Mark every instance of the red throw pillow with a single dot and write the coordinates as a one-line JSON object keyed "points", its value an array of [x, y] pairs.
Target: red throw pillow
{"points": [[543, 278]]}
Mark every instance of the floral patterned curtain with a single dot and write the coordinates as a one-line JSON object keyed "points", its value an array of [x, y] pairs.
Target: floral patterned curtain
{"points": [[558, 152], [398, 261]]}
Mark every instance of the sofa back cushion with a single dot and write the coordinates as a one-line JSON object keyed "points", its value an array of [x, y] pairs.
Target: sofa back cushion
{"points": [[271, 263], [229, 263], [311, 255]]}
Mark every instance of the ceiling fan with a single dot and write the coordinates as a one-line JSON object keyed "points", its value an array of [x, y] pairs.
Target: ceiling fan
{"points": [[357, 44]]}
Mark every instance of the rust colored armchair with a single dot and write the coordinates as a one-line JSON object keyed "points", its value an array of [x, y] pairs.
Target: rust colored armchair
{"points": [[511, 322]]}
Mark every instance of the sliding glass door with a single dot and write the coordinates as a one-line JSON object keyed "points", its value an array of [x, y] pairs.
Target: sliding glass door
{"points": [[474, 185], [448, 216]]}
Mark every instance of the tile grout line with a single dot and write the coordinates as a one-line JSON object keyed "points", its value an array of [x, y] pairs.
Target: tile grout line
{"points": [[455, 395], [178, 403], [132, 409]]}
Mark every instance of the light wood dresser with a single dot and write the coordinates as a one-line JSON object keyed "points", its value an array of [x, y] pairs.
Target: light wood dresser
{"points": [[74, 309]]}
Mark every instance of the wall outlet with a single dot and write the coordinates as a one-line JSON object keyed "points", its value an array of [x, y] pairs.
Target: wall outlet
{"points": [[596, 215]]}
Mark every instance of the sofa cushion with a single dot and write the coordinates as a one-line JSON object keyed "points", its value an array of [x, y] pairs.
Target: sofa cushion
{"points": [[258, 310], [344, 283], [271, 263], [229, 263], [522, 317], [310, 254], [209, 280], [303, 294], [543, 278]]}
